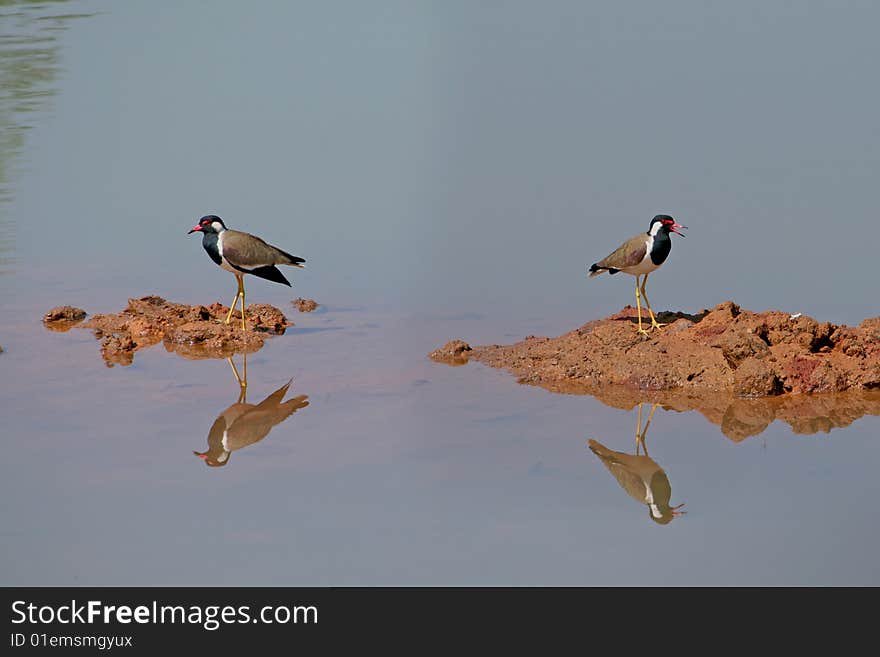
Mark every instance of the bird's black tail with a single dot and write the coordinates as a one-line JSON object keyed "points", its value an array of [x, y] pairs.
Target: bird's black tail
{"points": [[270, 273], [595, 270], [292, 260]]}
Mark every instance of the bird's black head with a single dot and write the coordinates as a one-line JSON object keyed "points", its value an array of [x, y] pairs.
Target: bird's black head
{"points": [[210, 223], [664, 223], [664, 514], [213, 460]]}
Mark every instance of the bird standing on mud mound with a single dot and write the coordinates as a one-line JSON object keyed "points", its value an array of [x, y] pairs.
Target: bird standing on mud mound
{"points": [[242, 253], [639, 256]]}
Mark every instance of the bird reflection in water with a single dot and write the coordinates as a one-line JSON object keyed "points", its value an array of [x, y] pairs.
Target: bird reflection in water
{"points": [[244, 424], [640, 475]]}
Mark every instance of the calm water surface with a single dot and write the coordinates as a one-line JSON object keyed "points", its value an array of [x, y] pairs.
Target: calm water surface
{"points": [[447, 171]]}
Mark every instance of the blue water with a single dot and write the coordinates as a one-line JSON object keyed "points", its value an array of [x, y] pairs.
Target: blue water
{"points": [[448, 170]]}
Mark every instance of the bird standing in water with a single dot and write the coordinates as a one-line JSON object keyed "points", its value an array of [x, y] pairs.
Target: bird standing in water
{"points": [[641, 255], [242, 253]]}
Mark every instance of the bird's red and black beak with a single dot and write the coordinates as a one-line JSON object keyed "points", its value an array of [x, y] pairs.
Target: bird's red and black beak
{"points": [[673, 227], [195, 229]]}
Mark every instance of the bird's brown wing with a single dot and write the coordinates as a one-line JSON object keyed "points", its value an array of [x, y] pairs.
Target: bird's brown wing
{"points": [[275, 398], [215, 434], [253, 426], [628, 254], [661, 488], [625, 468], [249, 251], [245, 250]]}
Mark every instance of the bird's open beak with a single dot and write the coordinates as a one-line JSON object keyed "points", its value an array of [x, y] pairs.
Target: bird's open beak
{"points": [[195, 229], [674, 228]]}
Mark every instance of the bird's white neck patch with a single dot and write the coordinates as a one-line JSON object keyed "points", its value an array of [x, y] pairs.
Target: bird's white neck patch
{"points": [[218, 227], [655, 228]]}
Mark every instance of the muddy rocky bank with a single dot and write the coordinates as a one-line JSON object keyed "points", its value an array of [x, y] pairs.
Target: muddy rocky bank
{"points": [[190, 331], [725, 349]]}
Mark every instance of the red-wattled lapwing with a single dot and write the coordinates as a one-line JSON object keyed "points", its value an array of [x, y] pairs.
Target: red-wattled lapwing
{"points": [[242, 253], [243, 424], [639, 256], [640, 475]]}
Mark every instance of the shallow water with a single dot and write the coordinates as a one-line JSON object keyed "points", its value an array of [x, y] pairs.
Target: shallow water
{"points": [[447, 172]]}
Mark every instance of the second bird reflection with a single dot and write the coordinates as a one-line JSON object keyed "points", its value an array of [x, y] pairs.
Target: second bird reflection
{"points": [[640, 475], [242, 424]]}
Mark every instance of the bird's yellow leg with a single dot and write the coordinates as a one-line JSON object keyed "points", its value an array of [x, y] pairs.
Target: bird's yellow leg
{"points": [[654, 323], [639, 308], [639, 429], [231, 308], [241, 282], [242, 383], [238, 293], [234, 369], [645, 430]]}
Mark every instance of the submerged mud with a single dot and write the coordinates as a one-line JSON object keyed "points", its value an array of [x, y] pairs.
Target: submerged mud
{"points": [[454, 352], [305, 305], [742, 417], [190, 331], [63, 318]]}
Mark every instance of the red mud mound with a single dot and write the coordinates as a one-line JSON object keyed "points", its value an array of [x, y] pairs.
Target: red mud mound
{"points": [[725, 349], [63, 318], [714, 362], [191, 331], [305, 305]]}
